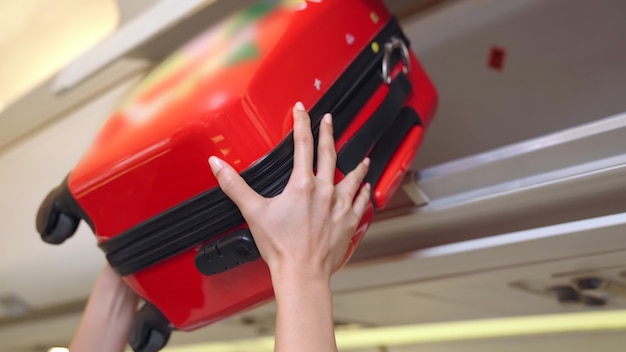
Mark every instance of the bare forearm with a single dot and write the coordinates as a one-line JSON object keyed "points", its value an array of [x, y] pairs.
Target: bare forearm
{"points": [[107, 317], [304, 314]]}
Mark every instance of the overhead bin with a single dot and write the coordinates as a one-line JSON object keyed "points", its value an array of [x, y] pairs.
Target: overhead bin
{"points": [[569, 175]]}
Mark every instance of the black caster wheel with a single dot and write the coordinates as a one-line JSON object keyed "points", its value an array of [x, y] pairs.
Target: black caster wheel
{"points": [[150, 330], [152, 341], [55, 221]]}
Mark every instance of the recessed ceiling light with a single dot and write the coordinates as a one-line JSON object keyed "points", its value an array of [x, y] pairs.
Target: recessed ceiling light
{"points": [[58, 349]]}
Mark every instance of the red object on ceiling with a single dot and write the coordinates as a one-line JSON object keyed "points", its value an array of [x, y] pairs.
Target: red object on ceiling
{"points": [[496, 58]]}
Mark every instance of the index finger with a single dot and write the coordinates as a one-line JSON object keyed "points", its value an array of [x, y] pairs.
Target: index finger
{"points": [[302, 141], [234, 186]]}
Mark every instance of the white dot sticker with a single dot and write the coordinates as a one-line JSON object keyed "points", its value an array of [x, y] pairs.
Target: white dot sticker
{"points": [[349, 38], [318, 84]]}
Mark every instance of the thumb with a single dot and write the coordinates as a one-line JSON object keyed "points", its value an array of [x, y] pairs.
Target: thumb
{"points": [[233, 185]]}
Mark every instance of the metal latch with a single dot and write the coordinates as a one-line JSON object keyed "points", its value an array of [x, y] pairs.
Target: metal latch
{"points": [[391, 46]]}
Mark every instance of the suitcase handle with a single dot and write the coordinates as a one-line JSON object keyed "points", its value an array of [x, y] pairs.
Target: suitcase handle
{"points": [[382, 134], [390, 144]]}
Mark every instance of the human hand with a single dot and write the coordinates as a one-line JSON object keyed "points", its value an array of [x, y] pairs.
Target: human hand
{"points": [[308, 227]]}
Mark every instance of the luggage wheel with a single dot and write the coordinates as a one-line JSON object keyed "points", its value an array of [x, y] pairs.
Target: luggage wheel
{"points": [[150, 330], [55, 223]]}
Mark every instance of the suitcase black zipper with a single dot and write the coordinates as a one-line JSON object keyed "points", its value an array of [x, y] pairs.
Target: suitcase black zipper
{"points": [[212, 213]]}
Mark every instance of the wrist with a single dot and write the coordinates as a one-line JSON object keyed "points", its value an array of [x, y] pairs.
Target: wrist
{"points": [[304, 310], [289, 274], [292, 289], [304, 282]]}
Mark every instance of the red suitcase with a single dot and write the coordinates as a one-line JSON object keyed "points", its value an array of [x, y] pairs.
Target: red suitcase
{"points": [[146, 189]]}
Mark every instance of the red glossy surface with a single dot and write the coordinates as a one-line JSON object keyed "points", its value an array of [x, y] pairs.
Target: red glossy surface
{"points": [[228, 93]]}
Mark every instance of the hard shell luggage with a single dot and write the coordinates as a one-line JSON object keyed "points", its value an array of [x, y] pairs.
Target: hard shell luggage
{"points": [[145, 187]]}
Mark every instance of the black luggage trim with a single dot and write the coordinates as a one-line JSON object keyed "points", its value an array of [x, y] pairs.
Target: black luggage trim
{"points": [[59, 215], [364, 140], [389, 142], [212, 213]]}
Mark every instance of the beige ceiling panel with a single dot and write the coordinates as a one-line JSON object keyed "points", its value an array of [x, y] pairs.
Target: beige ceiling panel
{"points": [[38, 37]]}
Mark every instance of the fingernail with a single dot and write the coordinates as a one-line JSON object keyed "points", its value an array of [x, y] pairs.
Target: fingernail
{"points": [[366, 161], [328, 118], [215, 163], [368, 186], [300, 106]]}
